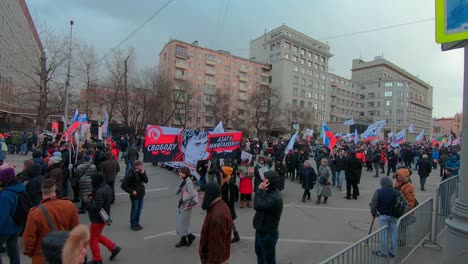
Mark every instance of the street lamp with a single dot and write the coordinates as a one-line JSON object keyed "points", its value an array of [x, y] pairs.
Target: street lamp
{"points": [[67, 83]]}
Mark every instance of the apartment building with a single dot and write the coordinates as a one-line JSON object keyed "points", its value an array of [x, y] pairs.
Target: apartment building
{"points": [[393, 94], [20, 50], [299, 72], [442, 126], [345, 99], [205, 79]]}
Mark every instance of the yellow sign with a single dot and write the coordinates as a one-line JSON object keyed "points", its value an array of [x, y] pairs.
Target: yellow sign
{"points": [[451, 20]]}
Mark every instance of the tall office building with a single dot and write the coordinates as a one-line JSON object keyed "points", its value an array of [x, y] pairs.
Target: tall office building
{"points": [[214, 86], [299, 73], [395, 95], [20, 50]]}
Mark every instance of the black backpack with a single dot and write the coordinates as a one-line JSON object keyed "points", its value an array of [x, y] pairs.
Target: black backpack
{"points": [[400, 205], [22, 209]]}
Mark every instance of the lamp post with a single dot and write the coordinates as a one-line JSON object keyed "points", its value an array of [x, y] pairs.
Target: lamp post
{"points": [[67, 83]]}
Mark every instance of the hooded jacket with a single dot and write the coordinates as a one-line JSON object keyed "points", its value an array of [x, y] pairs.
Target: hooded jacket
{"points": [[383, 198], [268, 205], [135, 181], [453, 165], [55, 171], [101, 199], [424, 167], [9, 202], [33, 188]]}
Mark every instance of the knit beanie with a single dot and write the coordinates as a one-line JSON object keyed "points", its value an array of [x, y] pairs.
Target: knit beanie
{"points": [[52, 245], [386, 182], [212, 191], [36, 154], [54, 160], [6, 175]]}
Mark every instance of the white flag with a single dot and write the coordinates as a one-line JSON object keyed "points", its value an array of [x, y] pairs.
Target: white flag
{"points": [[411, 128], [420, 137], [349, 122], [219, 128], [356, 137], [291, 143]]}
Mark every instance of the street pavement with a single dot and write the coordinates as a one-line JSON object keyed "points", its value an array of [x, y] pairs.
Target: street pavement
{"points": [[309, 233]]}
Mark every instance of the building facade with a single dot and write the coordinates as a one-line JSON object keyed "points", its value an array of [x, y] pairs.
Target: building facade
{"points": [[345, 99], [212, 86], [457, 124], [20, 50], [299, 73], [442, 126], [390, 93]]}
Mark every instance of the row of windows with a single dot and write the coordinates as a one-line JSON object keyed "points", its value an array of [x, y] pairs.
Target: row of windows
{"points": [[301, 61], [309, 94], [309, 83], [276, 34], [310, 72]]}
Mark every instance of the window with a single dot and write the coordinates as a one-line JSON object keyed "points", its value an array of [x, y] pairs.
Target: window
{"points": [[294, 58], [309, 63], [200, 56], [388, 94], [316, 85], [388, 103], [323, 69], [199, 76], [303, 70], [316, 96], [287, 45], [316, 66], [302, 52], [322, 87], [180, 73], [315, 106], [209, 68], [316, 57], [272, 57], [272, 47], [302, 103], [191, 65], [302, 93], [303, 82], [181, 51], [399, 112], [309, 94], [399, 122], [309, 54], [209, 119], [226, 68], [200, 67], [302, 61], [294, 102], [296, 80], [310, 83], [190, 75], [388, 84], [400, 84], [295, 91], [323, 59], [210, 57], [322, 97], [286, 55], [323, 77], [191, 53], [316, 74], [296, 68], [322, 107], [295, 48]]}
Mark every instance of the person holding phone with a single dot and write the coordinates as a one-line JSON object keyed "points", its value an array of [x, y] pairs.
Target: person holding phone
{"points": [[134, 185]]}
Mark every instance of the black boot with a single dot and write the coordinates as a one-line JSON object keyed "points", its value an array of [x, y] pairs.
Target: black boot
{"points": [[236, 237], [182, 242], [190, 239]]}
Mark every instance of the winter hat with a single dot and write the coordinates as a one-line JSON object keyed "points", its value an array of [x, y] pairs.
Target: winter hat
{"points": [[274, 180], [386, 182], [57, 154], [227, 174], [51, 151], [6, 175], [78, 238], [212, 191], [52, 245], [403, 172], [36, 154], [54, 160], [34, 170], [424, 156], [87, 158]]}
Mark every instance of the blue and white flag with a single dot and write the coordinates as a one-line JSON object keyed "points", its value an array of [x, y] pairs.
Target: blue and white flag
{"points": [[219, 128], [349, 122], [291, 143], [356, 137], [420, 137], [411, 128]]}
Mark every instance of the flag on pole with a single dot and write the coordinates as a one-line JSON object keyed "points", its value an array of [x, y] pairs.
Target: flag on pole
{"points": [[329, 140], [291, 143], [434, 141], [356, 137], [420, 137], [74, 125], [411, 128], [399, 138], [105, 126], [349, 122]]}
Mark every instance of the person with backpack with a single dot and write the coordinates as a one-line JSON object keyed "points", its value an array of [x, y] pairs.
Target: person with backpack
{"points": [[406, 188], [381, 206], [134, 185], [10, 226], [230, 195]]}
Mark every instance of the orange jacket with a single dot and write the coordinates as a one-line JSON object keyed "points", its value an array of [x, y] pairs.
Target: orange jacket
{"points": [[407, 189], [65, 217]]}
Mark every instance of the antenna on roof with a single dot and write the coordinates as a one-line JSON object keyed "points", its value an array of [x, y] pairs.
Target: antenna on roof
{"points": [[264, 40]]}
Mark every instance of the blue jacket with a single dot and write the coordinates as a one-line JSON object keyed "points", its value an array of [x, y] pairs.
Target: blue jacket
{"points": [[9, 202], [435, 154], [453, 165]]}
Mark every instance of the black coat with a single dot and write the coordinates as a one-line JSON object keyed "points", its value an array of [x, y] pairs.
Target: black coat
{"points": [[135, 181], [101, 199], [110, 168], [339, 163], [227, 193], [308, 177], [424, 167], [353, 169], [268, 208], [281, 170], [34, 189]]}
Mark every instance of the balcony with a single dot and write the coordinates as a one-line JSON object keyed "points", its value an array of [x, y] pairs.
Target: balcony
{"points": [[265, 74], [210, 72], [181, 66], [244, 70], [242, 98], [181, 77], [243, 88], [210, 62], [265, 83], [243, 79]]}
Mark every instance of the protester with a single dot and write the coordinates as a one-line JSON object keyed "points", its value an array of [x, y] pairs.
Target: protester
{"points": [[353, 170], [84, 173], [268, 205], [9, 201], [52, 245], [442, 161], [100, 200], [453, 165], [308, 177], [110, 167], [55, 172], [202, 168], [63, 214], [323, 187], [75, 248], [37, 158], [33, 188], [134, 185], [280, 168], [246, 174], [381, 207], [260, 168], [376, 159], [339, 169], [215, 236], [188, 199], [404, 185], [392, 161], [130, 157], [229, 193], [424, 170]]}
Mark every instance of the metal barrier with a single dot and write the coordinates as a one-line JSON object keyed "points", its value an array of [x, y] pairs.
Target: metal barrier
{"points": [[447, 192], [414, 228], [362, 251]]}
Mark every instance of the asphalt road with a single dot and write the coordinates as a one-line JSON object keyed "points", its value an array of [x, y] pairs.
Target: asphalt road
{"points": [[309, 233]]}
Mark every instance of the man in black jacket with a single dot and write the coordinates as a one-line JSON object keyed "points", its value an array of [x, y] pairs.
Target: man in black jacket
{"points": [[134, 184], [268, 205], [110, 167], [100, 200], [424, 169], [353, 170]]}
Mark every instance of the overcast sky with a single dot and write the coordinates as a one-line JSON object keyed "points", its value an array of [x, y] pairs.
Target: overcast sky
{"points": [[231, 24]]}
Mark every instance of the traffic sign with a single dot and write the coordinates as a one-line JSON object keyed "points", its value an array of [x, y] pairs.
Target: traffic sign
{"points": [[451, 20]]}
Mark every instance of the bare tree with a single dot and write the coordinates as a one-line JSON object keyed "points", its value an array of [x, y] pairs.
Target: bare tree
{"points": [[221, 107], [87, 70], [182, 100], [259, 103], [294, 114]]}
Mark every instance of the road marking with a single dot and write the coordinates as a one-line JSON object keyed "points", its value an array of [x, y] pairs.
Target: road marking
{"points": [[173, 233], [147, 191], [320, 207]]}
